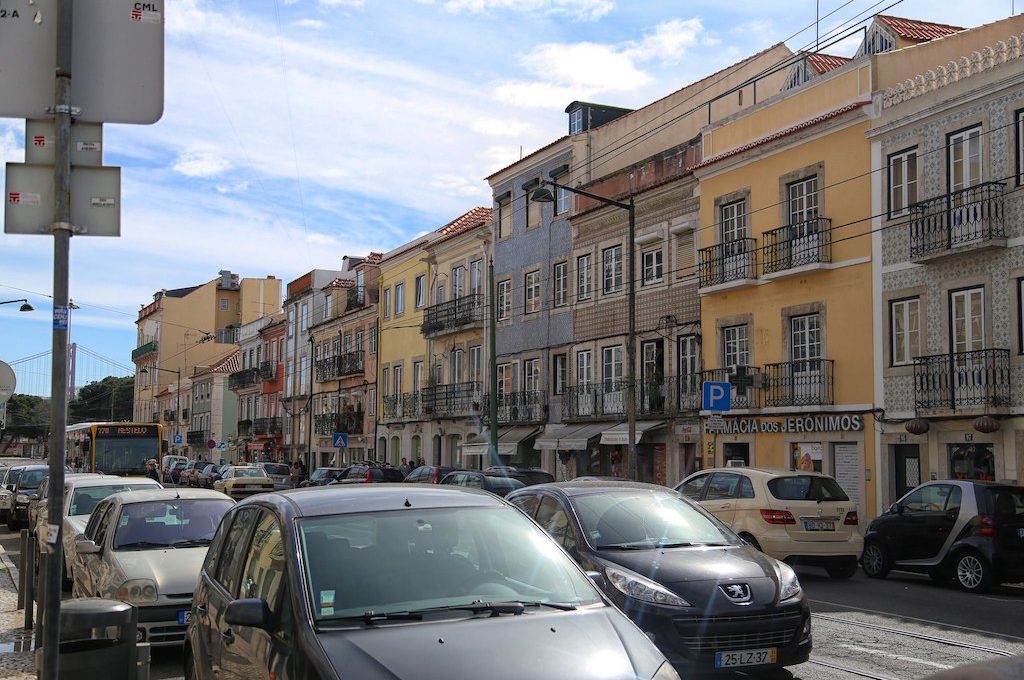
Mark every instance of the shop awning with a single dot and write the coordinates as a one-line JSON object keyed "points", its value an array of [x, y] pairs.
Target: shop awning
{"points": [[577, 438], [619, 434], [509, 439], [254, 446]]}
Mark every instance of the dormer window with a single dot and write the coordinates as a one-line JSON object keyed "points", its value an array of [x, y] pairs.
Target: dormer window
{"points": [[876, 41], [576, 121], [797, 76]]}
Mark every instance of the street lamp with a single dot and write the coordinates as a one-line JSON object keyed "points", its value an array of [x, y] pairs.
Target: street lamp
{"points": [[177, 399], [544, 195], [26, 307]]}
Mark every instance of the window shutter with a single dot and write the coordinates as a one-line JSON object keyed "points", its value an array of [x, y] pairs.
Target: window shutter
{"points": [[685, 256]]}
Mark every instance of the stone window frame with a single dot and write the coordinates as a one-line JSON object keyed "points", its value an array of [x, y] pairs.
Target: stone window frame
{"points": [[539, 287], [1016, 279], [787, 314], [813, 170], [728, 199], [889, 297], [983, 281], [721, 323], [889, 157], [1018, 145], [497, 296], [982, 120]]}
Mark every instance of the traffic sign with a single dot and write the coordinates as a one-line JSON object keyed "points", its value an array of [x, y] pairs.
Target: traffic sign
{"points": [[340, 440], [717, 396], [41, 143], [95, 199], [178, 439], [714, 423], [222, 446], [211, 444]]}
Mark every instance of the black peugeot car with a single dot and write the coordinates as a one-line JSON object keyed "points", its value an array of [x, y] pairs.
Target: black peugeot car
{"points": [[968, 532], [706, 598]]}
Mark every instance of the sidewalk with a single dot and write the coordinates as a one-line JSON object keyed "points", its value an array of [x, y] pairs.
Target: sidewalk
{"points": [[14, 665]]}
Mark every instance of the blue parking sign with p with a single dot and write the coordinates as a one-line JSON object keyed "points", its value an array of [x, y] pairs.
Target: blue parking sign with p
{"points": [[717, 396]]}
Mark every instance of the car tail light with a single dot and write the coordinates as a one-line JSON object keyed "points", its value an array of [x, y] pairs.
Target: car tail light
{"points": [[435, 475], [988, 526], [777, 516], [369, 475], [851, 518]]}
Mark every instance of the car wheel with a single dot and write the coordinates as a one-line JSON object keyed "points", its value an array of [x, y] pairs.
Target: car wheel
{"points": [[842, 567], [752, 541], [973, 572], [875, 560]]}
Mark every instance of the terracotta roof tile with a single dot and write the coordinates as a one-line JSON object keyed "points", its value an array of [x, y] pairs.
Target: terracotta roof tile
{"points": [[473, 218], [823, 63], [915, 29]]}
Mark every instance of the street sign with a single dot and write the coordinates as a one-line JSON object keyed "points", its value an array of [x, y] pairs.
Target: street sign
{"points": [[340, 440], [211, 444], [41, 143], [8, 382], [222, 446], [117, 60], [95, 200], [178, 439], [714, 423], [717, 396]]}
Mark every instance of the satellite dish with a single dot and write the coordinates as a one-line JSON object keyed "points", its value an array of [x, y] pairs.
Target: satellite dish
{"points": [[8, 382]]}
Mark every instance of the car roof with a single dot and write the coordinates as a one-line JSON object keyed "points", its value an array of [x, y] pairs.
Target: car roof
{"points": [[765, 472], [107, 480], [355, 498], [572, 488], [149, 495]]}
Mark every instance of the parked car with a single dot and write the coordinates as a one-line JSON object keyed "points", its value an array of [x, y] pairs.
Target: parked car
{"points": [[496, 484], [167, 464], [796, 516], [210, 474], [322, 476], [5, 494], [146, 548], [190, 475], [368, 473], [527, 476], [428, 474], [971, 533], [37, 505], [239, 481], [81, 495], [359, 605], [26, 482], [176, 469], [705, 597], [279, 472]]}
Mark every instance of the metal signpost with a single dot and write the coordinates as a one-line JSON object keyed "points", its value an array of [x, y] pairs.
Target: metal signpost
{"points": [[115, 50]]}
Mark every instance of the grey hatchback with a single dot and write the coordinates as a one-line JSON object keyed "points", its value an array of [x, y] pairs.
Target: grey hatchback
{"points": [[401, 581]]}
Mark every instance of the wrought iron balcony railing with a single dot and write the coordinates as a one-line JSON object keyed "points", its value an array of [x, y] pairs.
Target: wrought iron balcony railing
{"points": [[669, 395], [143, 350], [267, 426], [247, 377], [729, 261], [806, 382], [244, 428], [268, 370], [411, 406], [595, 400], [349, 421], [961, 380], [332, 368], [518, 407], [796, 245], [969, 216], [169, 416], [453, 315], [197, 437], [451, 401], [745, 393], [355, 298]]}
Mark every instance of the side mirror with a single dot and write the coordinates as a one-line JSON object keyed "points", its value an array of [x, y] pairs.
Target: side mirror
{"points": [[251, 612], [86, 547], [896, 509]]}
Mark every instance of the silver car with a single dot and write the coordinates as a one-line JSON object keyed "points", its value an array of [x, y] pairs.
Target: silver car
{"points": [[146, 548], [279, 472]]}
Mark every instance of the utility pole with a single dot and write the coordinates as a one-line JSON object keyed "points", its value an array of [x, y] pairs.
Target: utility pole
{"points": [[632, 464], [51, 544], [309, 405], [492, 344]]}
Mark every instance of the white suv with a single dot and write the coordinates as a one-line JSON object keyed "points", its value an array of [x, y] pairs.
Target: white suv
{"points": [[796, 516]]}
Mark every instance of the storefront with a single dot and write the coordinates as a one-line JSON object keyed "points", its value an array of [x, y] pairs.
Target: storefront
{"points": [[515, 447]]}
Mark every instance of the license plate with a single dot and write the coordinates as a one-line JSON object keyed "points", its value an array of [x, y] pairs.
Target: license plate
{"points": [[184, 617], [745, 657], [819, 525]]}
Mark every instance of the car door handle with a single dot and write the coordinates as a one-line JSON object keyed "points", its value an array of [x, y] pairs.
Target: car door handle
{"points": [[725, 506], [227, 635], [199, 609]]}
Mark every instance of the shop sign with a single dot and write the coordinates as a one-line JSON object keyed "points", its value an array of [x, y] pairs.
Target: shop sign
{"points": [[799, 424]]}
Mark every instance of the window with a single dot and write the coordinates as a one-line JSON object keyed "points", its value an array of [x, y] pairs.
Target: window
{"points": [[552, 518], [805, 340], [456, 362], [359, 340], [505, 218], [964, 162], [736, 346], [532, 286], [476, 277], [905, 330], [902, 181], [505, 378], [584, 367], [504, 299], [967, 314], [685, 264], [291, 322], [1020, 148], [420, 286], [373, 340], [560, 369], [227, 571], [224, 305], [531, 375], [327, 307], [387, 303], [652, 264], [399, 298], [348, 343], [475, 363], [612, 368], [563, 197], [304, 317], [371, 407], [417, 376], [264, 573], [560, 284], [458, 282], [439, 294], [803, 200], [576, 121], [397, 373], [689, 355], [583, 277], [734, 221], [611, 259]]}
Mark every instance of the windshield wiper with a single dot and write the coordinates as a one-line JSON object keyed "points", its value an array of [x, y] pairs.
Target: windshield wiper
{"points": [[626, 547], [564, 606], [191, 543], [140, 545], [495, 608]]}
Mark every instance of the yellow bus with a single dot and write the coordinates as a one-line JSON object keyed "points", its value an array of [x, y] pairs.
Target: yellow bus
{"points": [[113, 448]]}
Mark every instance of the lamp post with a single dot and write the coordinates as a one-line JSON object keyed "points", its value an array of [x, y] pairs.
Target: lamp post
{"points": [[25, 307], [177, 398], [544, 195]]}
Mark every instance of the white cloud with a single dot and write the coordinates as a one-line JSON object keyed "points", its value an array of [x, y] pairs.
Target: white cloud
{"points": [[341, 3], [494, 127], [200, 163], [456, 185], [669, 41], [315, 24], [584, 10]]}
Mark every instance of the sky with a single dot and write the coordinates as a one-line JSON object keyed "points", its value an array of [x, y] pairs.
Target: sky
{"points": [[296, 132]]}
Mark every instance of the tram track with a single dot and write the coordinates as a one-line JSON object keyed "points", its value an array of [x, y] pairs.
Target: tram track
{"points": [[848, 669], [919, 636]]}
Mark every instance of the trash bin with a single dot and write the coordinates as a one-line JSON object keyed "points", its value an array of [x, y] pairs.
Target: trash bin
{"points": [[97, 639]]}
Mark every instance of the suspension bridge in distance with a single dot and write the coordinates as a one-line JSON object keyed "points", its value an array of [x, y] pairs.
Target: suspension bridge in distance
{"points": [[84, 366]]}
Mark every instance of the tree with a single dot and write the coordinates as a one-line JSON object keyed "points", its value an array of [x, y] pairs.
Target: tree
{"points": [[106, 400], [27, 416]]}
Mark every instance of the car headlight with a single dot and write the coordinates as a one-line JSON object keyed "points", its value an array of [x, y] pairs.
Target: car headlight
{"points": [[666, 672], [789, 584], [644, 589], [137, 591], [21, 499]]}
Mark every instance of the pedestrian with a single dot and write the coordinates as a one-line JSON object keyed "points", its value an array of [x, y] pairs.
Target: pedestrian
{"points": [[151, 470], [404, 467]]}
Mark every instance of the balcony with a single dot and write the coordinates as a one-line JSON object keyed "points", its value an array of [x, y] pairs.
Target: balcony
{"points": [[451, 401], [355, 298], [606, 399], [670, 396], [728, 262], [349, 421], [518, 407], [244, 428], [169, 416], [806, 382], [963, 380], [247, 377], [268, 370], [745, 390], [267, 426], [197, 437], [411, 406], [965, 219], [155, 417], [143, 350], [332, 368], [391, 408], [797, 245], [454, 315]]}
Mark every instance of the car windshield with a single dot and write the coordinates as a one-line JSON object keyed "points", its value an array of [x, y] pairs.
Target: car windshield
{"points": [[84, 499], [248, 472], [398, 561], [30, 478], [275, 468], [647, 519], [806, 488], [179, 523]]}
